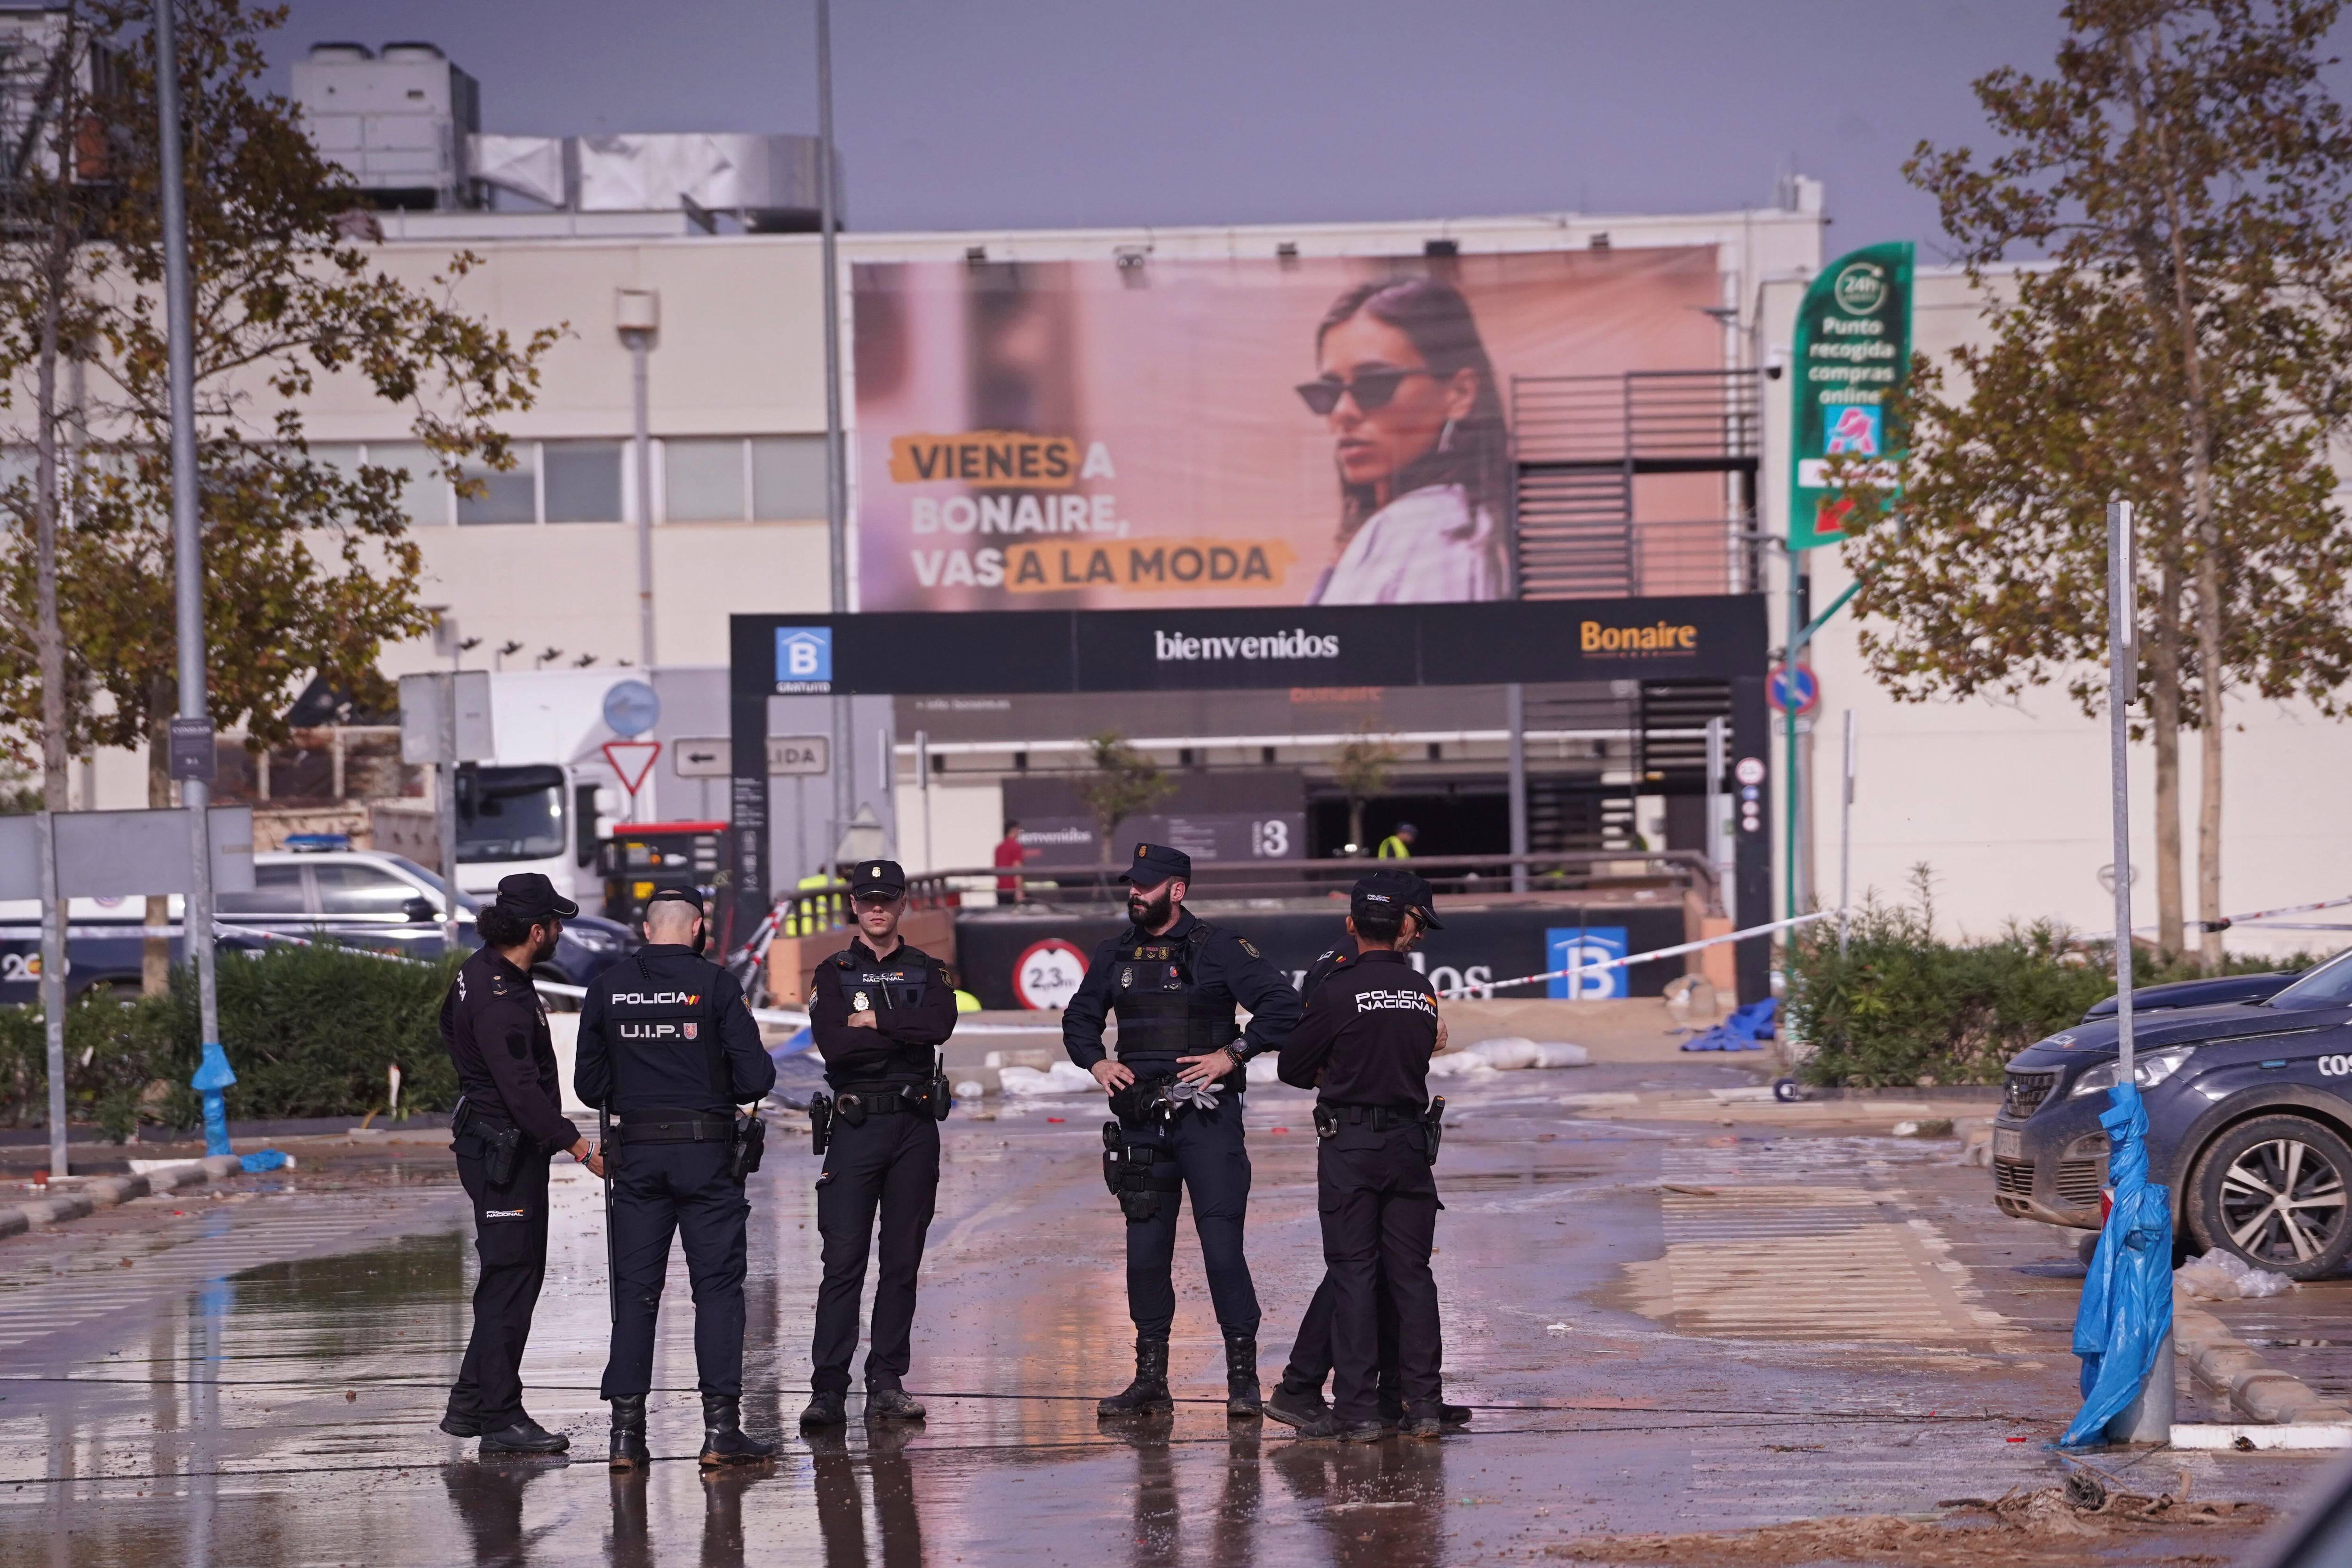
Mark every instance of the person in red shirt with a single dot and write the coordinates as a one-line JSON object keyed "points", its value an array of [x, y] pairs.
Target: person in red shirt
{"points": [[1009, 852]]}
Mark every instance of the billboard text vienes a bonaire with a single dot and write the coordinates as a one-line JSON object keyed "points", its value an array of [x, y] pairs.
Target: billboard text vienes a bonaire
{"points": [[1079, 434]]}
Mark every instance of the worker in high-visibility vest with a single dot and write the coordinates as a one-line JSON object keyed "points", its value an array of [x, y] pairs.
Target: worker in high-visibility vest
{"points": [[806, 918], [1398, 846]]}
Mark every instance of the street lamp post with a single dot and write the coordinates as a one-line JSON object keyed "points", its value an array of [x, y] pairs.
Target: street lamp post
{"points": [[188, 581], [636, 313]]}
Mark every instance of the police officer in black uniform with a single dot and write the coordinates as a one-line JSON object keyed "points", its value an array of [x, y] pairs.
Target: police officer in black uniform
{"points": [[668, 1045], [1176, 1088], [510, 1122], [1364, 1046], [1298, 1398], [879, 1010]]}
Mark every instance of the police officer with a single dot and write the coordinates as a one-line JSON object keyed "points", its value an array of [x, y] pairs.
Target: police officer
{"points": [[509, 1124], [668, 1045], [1176, 1088], [879, 1010], [1298, 1398], [1364, 1046]]}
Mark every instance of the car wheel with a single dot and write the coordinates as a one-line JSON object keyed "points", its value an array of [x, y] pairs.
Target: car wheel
{"points": [[2274, 1191]]}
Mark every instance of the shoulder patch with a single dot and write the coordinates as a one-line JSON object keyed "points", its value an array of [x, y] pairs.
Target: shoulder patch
{"points": [[1248, 948]]}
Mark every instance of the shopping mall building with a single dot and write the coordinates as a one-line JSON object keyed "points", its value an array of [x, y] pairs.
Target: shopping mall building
{"points": [[1086, 421]]}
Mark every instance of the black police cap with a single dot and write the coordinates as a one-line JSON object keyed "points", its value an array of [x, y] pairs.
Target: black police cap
{"points": [[1395, 891], [1155, 863], [530, 896], [877, 876], [686, 896]]}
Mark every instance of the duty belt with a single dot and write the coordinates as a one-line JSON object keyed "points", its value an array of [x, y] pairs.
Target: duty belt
{"points": [[854, 1105], [1379, 1117], [664, 1126]]}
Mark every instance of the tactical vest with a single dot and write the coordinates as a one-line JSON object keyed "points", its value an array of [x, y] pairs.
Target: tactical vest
{"points": [[902, 980], [1160, 1009], [657, 1017]]}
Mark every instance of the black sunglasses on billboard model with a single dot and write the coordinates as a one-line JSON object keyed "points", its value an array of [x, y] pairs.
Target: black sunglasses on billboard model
{"points": [[1371, 389]]}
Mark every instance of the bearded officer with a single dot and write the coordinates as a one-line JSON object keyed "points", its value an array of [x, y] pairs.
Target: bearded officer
{"points": [[668, 1045], [879, 1010], [1176, 1087], [510, 1122], [1298, 1398], [1364, 1048]]}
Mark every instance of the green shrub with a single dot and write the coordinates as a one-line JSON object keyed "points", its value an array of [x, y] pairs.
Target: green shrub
{"points": [[1901, 1007], [310, 1031], [119, 1054]]}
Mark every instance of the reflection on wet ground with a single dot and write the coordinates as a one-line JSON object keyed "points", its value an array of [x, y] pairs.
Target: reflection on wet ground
{"points": [[259, 1385]]}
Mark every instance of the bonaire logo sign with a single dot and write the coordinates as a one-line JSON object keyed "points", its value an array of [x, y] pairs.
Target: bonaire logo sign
{"points": [[1658, 637]]}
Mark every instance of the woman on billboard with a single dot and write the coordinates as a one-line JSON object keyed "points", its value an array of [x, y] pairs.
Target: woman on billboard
{"points": [[1419, 440]]}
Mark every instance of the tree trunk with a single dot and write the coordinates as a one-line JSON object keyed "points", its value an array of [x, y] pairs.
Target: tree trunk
{"points": [[2164, 728], [2209, 782]]}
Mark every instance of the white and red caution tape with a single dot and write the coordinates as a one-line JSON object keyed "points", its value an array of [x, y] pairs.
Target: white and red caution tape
{"points": [[1486, 986]]}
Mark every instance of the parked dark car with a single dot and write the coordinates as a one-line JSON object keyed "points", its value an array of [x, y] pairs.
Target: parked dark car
{"points": [[2198, 993], [360, 898], [2249, 1122]]}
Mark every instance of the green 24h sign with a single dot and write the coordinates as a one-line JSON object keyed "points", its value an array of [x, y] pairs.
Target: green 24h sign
{"points": [[1853, 353]]}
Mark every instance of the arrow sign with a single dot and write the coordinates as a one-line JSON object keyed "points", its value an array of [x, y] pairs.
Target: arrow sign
{"points": [[702, 757], [633, 760]]}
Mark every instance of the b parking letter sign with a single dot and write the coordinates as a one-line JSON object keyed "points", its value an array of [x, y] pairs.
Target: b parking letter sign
{"points": [[803, 658]]}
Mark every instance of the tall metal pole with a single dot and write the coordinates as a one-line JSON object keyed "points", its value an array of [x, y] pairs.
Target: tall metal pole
{"points": [[836, 464], [1789, 776], [2123, 690], [1514, 719], [1845, 835], [642, 454], [923, 783], [187, 561], [54, 913]]}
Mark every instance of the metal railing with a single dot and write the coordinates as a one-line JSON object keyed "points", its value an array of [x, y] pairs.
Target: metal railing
{"points": [[1646, 417], [806, 912]]}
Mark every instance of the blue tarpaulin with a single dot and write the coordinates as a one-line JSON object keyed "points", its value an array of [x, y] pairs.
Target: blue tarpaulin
{"points": [[2126, 1307], [1746, 1030]]}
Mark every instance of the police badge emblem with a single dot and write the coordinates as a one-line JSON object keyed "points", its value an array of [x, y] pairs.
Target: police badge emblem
{"points": [[857, 1004], [691, 1029], [1127, 975]]}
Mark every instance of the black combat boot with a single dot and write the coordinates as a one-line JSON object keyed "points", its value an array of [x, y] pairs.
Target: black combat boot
{"points": [[826, 1407], [1241, 1377], [723, 1442], [1149, 1392], [629, 1433]]}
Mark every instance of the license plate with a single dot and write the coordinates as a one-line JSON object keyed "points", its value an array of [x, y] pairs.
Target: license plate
{"points": [[2007, 1143]]}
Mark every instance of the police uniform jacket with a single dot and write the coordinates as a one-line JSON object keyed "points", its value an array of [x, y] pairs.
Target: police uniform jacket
{"points": [[1132, 965], [650, 1029], [495, 1027], [1367, 1034], [913, 1006]]}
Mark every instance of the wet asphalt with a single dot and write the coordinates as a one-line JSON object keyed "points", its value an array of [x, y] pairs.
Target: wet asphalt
{"points": [[1700, 1322]]}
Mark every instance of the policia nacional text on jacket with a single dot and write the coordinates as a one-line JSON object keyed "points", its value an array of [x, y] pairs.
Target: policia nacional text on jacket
{"points": [[1364, 1046], [1173, 982], [667, 1046], [878, 1010], [509, 1121]]}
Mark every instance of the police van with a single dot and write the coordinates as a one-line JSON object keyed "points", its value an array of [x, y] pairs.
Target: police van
{"points": [[2250, 1119]]}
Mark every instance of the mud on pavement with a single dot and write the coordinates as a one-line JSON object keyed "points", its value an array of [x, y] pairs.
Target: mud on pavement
{"points": [[1775, 1342]]}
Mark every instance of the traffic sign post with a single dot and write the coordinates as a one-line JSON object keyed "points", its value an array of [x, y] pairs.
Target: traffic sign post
{"points": [[634, 761], [1798, 693]]}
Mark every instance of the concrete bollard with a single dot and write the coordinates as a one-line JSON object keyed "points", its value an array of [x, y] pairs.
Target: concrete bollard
{"points": [[2149, 1418]]}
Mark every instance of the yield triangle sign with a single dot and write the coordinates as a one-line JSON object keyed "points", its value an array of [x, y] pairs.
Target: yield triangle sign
{"points": [[633, 760]]}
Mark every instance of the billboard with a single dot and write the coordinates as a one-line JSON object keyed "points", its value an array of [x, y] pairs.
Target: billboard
{"points": [[1854, 356], [1142, 433]]}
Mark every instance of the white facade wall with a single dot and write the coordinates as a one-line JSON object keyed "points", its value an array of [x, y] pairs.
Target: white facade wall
{"points": [[2007, 801]]}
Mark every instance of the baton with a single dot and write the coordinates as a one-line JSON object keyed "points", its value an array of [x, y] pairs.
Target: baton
{"points": [[612, 1248]]}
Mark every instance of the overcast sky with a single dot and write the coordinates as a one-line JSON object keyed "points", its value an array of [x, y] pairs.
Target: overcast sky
{"points": [[1044, 113]]}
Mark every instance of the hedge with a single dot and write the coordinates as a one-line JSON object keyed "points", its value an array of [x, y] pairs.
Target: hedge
{"points": [[310, 1031], [1901, 1007]]}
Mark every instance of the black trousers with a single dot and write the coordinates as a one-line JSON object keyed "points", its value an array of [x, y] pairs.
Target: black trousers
{"points": [[891, 1165], [1213, 1162], [1310, 1353], [682, 1189], [510, 1241], [1379, 1204]]}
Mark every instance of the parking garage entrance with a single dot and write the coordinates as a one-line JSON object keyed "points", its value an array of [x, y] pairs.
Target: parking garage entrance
{"points": [[1683, 660]]}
